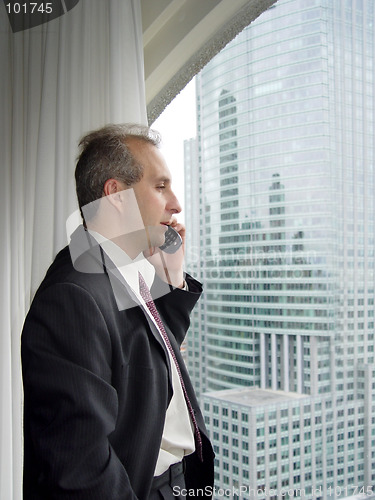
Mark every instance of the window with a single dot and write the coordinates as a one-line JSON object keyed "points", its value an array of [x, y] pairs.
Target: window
{"points": [[291, 307]]}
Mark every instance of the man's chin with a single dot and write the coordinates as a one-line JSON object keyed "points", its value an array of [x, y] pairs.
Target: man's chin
{"points": [[155, 236]]}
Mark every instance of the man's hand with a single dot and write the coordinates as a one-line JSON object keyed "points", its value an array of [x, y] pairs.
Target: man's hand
{"points": [[169, 267]]}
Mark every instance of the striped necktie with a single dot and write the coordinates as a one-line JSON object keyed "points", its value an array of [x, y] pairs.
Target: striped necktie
{"points": [[146, 295]]}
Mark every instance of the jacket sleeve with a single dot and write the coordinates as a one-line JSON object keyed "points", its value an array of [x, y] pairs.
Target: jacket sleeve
{"points": [[175, 307], [70, 405]]}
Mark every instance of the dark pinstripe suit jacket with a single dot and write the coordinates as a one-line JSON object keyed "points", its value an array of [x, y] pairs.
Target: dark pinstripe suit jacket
{"points": [[97, 383]]}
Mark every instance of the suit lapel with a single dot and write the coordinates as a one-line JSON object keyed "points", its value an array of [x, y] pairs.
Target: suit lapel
{"points": [[89, 257], [126, 299]]}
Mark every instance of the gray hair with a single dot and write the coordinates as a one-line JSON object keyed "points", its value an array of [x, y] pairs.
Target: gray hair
{"points": [[104, 154]]}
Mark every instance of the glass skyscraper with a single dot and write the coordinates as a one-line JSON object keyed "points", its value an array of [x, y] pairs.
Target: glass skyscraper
{"points": [[280, 183]]}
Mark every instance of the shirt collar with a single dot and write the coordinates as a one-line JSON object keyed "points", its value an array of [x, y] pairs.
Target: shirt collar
{"points": [[128, 267]]}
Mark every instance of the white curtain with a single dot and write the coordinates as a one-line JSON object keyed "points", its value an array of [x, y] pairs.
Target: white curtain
{"points": [[58, 81]]}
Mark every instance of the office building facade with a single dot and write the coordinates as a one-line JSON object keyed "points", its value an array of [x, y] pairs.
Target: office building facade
{"points": [[282, 236]]}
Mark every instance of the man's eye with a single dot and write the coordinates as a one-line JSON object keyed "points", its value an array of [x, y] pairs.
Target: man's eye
{"points": [[162, 186]]}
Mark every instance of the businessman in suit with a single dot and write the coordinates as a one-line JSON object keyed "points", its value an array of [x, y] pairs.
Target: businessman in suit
{"points": [[110, 412]]}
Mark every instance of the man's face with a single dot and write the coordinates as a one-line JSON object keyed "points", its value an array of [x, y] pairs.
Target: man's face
{"points": [[156, 200]]}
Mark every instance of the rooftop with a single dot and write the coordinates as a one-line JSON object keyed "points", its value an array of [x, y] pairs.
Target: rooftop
{"points": [[256, 397]]}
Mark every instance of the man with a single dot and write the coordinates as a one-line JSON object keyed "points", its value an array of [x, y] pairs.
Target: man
{"points": [[110, 412]]}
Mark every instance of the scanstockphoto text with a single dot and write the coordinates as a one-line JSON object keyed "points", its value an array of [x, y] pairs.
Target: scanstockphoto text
{"points": [[248, 492], [242, 492], [248, 263]]}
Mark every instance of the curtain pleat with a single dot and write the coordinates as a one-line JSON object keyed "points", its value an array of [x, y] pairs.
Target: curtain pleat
{"points": [[59, 80]]}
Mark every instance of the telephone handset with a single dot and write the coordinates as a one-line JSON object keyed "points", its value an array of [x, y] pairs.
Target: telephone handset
{"points": [[173, 241]]}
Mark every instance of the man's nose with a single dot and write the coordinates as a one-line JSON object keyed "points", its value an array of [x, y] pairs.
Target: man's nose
{"points": [[174, 204]]}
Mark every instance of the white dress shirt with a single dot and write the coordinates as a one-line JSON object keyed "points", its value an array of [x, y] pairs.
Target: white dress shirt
{"points": [[178, 434]]}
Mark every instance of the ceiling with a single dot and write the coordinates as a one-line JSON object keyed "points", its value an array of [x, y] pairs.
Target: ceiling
{"points": [[181, 36]]}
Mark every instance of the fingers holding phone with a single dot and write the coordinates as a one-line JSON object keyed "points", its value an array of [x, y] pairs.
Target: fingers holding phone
{"points": [[168, 258]]}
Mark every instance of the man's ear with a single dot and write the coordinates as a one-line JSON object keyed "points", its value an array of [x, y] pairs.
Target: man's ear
{"points": [[112, 190]]}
